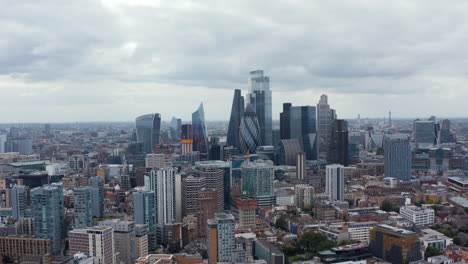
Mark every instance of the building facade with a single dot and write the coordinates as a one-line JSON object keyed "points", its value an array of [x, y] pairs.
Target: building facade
{"points": [[148, 131], [397, 157]]}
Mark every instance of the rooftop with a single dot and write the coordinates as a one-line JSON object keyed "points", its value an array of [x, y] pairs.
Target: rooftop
{"points": [[397, 230], [462, 201]]}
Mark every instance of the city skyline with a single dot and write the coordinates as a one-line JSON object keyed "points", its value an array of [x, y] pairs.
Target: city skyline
{"points": [[70, 63]]}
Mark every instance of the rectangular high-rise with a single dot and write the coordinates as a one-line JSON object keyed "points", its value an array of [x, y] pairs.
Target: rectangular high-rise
{"points": [[335, 182], [257, 182], [49, 220], [96, 242], [97, 196], [338, 144], [18, 201], [191, 189], [83, 214], [259, 95], [425, 133], [397, 157], [124, 239], [144, 213], [325, 116], [221, 238]]}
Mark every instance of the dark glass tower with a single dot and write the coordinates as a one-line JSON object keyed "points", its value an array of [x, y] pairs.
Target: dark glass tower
{"points": [[249, 131], [260, 97], [148, 131], [237, 111], [200, 136], [397, 154], [338, 152], [299, 122]]}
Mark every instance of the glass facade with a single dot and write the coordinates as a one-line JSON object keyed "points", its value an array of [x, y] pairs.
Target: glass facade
{"points": [[249, 132], [237, 111], [257, 182], [260, 97], [200, 136], [148, 131], [397, 157], [424, 134]]}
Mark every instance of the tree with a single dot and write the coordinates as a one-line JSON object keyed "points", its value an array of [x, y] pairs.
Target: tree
{"points": [[431, 251], [290, 251], [281, 223], [310, 241], [457, 241], [387, 206]]}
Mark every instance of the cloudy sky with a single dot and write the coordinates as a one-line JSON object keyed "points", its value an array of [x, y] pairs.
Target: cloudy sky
{"points": [[112, 60]]}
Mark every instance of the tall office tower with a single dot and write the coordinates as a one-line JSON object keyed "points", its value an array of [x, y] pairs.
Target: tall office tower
{"points": [[257, 182], [83, 215], [397, 157], [325, 115], [304, 195], [338, 144], [260, 97], [287, 151], [237, 112], [335, 182], [3, 140], [148, 131], [175, 128], [285, 121], [124, 238], [141, 240], [144, 213], [166, 185], [207, 207], [96, 242], [155, 161], [299, 122], [221, 238], [191, 189], [301, 165], [47, 202], [390, 124], [249, 132], [225, 166], [247, 213], [200, 135], [214, 176], [215, 149], [18, 201], [445, 134], [394, 245], [186, 139], [425, 134], [97, 190]]}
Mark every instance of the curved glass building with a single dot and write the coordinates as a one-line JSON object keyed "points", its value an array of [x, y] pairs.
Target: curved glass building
{"points": [[200, 136], [148, 131], [249, 133]]}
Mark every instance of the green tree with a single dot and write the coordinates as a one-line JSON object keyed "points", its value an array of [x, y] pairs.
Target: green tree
{"points": [[457, 241], [386, 206], [431, 251], [281, 223], [289, 251], [310, 241]]}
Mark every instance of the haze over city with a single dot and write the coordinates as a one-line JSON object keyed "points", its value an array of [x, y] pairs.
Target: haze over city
{"points": [[113, 60]]}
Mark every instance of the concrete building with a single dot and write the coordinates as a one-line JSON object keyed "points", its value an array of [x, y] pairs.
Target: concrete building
{"points": [[207, 207], [301, 165], [124, 239], [435, 239], [191, 189], [214, 177], [141, 240], [335, 182], [360, 230], [417, 215], [17, 247], [97, 242], [247, 213], [304, 195], [156, 161], [18, 201], [270, 253], [220, 238], [334, 234]]}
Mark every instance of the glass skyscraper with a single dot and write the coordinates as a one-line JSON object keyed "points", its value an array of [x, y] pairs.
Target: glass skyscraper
{"points": [[325, 116], [425, 134], [299, 122], [148, 131], [83, 214], [237, 111], [338, 145], [397, 157], [257, 182], [48, 215], [249, 132], [260, 97], [200, 135]]}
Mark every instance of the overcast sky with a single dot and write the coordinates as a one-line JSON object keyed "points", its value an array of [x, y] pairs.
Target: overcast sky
{"points": [[113, 60]]}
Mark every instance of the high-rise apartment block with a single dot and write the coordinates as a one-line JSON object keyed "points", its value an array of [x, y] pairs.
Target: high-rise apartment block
{"points": [[96, 242], [257, 182], [83, 214], [221, 238], [335, 182], [397, 155]]}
